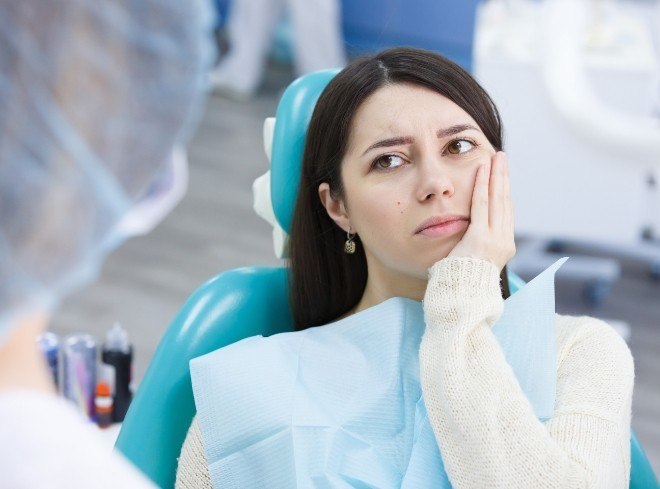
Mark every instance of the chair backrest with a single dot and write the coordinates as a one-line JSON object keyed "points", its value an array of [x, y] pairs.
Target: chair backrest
{"points": [[235, 305], [232, 306]]}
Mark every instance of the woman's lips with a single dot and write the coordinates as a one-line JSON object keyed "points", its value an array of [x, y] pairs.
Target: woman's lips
{"points": [[445, 229]]}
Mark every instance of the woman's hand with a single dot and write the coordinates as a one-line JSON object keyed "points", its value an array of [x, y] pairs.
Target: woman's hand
{"points": [[490, 233]]}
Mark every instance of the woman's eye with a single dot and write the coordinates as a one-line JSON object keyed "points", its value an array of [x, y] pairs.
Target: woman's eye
{"points": [[387, 162], [460, 146]]}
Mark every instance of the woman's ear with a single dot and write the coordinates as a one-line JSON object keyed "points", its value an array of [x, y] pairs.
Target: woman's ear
{"points": [[335, 208]]}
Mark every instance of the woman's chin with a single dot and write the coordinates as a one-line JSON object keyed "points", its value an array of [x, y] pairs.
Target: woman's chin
{"points": [[437, 254]]}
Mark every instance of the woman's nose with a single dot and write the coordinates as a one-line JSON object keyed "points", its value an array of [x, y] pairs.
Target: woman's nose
{"points": [[433, 180]]}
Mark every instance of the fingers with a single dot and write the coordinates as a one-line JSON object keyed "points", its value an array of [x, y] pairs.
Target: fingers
{"points": [[506, 210], [491, 199], [490, 233], [480, 196], [496, 192]]}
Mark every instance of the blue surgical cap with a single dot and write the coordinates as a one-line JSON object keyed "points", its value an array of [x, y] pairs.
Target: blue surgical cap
{"points": [[94, 96]]}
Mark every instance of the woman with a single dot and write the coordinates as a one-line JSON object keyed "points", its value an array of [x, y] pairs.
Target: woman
{"points": [[405, 193]]}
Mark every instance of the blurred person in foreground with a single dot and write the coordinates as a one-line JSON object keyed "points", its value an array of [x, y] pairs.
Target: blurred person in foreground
{"points": [[97, 100]]}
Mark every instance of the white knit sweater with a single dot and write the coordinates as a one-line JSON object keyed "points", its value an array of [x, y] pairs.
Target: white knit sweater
{"points": [[487, 431]]}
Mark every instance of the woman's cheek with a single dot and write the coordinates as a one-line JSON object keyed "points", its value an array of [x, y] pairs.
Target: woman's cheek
{"points": [[382, 222]]}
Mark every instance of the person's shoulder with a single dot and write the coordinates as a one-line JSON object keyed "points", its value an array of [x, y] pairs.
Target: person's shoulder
{"points": [[592, 341]]}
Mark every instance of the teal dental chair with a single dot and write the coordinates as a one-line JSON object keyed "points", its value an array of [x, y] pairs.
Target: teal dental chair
{"points": [[238, 304]]}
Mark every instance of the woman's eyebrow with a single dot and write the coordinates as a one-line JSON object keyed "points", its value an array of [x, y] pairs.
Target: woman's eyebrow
{"points": [[395, 141], [399, 140], [455, 129]]}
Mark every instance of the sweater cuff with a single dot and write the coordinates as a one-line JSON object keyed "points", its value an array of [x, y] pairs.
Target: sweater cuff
{"points": [[462, 291]]}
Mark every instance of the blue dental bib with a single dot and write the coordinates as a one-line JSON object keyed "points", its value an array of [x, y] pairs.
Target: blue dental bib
{"points": [[341, 405]]}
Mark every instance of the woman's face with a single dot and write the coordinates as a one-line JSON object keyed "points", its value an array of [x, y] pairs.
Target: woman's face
{"points": [[412, 155]]}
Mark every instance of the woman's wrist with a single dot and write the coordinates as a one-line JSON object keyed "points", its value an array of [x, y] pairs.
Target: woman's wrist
{"points": [[469, 271], [462, 290]]}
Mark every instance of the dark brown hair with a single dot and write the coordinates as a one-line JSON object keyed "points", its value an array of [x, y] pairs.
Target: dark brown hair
{"points": [[325, 282]]}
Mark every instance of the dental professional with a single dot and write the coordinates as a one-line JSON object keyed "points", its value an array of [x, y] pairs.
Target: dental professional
{"points": [[97, 100], [401, 233]]}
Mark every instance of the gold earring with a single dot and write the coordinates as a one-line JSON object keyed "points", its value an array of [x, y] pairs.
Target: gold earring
{"points": [[349, 245]]}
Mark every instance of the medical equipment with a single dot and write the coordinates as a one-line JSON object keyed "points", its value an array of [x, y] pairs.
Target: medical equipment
{"points": [[117, 357], [103, 405], [49, 344], [235, 305], [79, 372], [88, 122], [575, 89]]}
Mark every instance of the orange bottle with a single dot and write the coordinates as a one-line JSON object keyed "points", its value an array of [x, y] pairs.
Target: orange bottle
{"points": [[103, 405]]}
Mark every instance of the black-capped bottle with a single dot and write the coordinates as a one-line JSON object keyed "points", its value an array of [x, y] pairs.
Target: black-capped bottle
{"points": [[117, 353]]}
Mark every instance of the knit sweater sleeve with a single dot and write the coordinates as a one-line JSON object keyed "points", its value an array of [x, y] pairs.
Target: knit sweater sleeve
{"points": [[193, 469], [486, 428]]}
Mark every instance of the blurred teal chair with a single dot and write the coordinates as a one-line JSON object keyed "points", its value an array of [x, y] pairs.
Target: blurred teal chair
{"points": [[238, 304]]}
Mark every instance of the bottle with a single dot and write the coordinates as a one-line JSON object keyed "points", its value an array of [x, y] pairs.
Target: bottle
{"points": [[49, 344], [78, 379], [118, 353], [103, 405]]}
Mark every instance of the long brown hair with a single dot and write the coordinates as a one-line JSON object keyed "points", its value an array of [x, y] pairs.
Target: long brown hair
{"points": [[325, 282]]}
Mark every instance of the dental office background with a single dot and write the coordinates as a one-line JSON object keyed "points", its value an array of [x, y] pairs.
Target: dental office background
{"points": [[578, 86]]}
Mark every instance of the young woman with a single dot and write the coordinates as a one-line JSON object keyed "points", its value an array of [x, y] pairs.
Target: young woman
{"points": [[405, 193]]}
